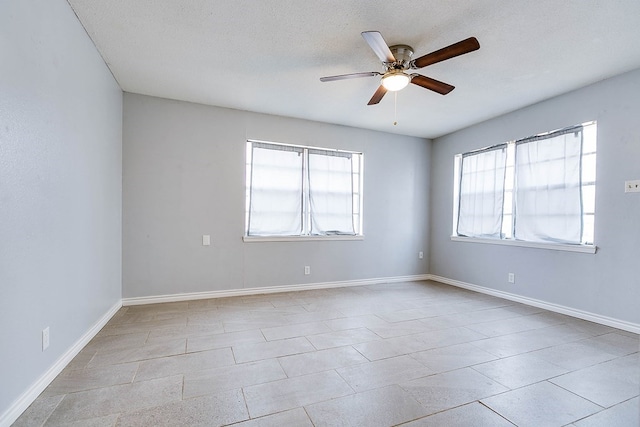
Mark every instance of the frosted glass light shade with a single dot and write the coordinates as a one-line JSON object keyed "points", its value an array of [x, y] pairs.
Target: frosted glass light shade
{"points": [[396, 81]]}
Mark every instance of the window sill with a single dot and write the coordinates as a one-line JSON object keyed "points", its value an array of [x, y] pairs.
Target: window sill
{"points": [[588, 249], [258, 239]]}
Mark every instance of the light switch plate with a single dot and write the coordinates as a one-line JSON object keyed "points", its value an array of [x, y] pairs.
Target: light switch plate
{"points": [[206, 240]]}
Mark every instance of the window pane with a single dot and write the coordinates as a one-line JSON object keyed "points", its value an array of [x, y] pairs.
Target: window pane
{"points": [[589, 168], [276, 192], [590, 138], [589, 198], [331, 193], [507, 226], [508, 202], [481, 193], [588, 234], [548, 206]]}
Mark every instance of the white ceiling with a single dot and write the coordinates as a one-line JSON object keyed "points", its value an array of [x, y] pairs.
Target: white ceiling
{"points": [[267, 56]]}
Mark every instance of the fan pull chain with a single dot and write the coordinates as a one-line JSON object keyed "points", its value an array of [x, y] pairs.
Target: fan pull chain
{"points": [[395, 108]]}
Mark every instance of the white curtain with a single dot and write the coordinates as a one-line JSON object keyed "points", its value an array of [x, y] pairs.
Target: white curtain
{"points": [[276, 190], [330, 192], [548, 204], [482, 193]]}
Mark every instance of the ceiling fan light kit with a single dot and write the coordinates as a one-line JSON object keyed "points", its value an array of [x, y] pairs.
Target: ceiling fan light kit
{"points": [[395, 80], [397, 59]]}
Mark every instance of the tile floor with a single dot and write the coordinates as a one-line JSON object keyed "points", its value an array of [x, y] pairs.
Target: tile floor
{"points": [[411, 354]]}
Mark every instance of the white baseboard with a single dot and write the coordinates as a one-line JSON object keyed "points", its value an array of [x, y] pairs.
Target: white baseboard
{"points": [[267, 290], [30, 395], [580, 314]]}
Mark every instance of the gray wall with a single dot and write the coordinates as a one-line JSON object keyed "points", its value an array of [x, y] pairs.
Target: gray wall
{"points": [[183, 176], [60, 188], [606, 283]]}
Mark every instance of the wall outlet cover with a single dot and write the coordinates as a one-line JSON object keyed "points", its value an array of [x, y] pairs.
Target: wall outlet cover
{"points": [[632, 186]]}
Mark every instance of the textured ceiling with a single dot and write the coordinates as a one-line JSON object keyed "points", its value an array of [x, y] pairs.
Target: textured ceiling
{"points": [[267, 56]]}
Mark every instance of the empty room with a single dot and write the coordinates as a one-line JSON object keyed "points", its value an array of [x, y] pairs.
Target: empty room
{"points": [[336, 213]]}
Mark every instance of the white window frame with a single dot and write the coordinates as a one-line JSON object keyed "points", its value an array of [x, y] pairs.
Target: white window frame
{"points": [[589, 154], [358, 181]]}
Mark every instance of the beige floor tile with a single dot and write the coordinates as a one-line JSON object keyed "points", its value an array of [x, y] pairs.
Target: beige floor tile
{"points": [[397, 346], [222, 408], [473, 414], [266, 350], [211, 342], [391, 347], [90, 378], [191, 330], [614, 343], [149, 351], [105, 421], [354, 322], [396, 370], [408, 327], [323, 360], [626, 413], [342, 338], [575, 355], [291, 393], [518, 371], [607, 383], [231, 377], [38, 412], [496, 328], [115, 342], [524, 342], [452, 357], [542, 404], [117, 399], [184, 363], [450, 389], [132, 328], [292, 331], [315, 316], [381, 407], [295, 417], [248, 325]]}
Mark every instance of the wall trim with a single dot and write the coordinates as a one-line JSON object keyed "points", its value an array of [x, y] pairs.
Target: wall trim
{"points": [[29, 396], [580, 314], [267, 290]]}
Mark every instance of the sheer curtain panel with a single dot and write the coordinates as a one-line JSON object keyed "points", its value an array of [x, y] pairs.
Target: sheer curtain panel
{"points": [[548, 203], [331, 192], [276, 201], [482, 175]]}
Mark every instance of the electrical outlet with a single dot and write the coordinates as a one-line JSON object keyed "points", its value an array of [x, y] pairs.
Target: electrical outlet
{"points": [[632, 186], [307, 270], [45, 338], [511, 278], [421, 255]]}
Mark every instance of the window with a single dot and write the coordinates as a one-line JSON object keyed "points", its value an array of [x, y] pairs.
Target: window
{"points": [[295, 190], [539, 189]]}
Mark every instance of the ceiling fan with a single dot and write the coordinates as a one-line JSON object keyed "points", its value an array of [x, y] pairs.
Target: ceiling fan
{"points": [[396, 60]]}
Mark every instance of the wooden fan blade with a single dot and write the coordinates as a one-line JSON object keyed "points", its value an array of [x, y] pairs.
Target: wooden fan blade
{"points": [[349, 76], [379, 46], [456, 49], [377, 97], [431, 84]]}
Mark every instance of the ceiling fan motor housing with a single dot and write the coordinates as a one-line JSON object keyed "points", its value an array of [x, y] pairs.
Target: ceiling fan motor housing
{"points": [[403, 54]]}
